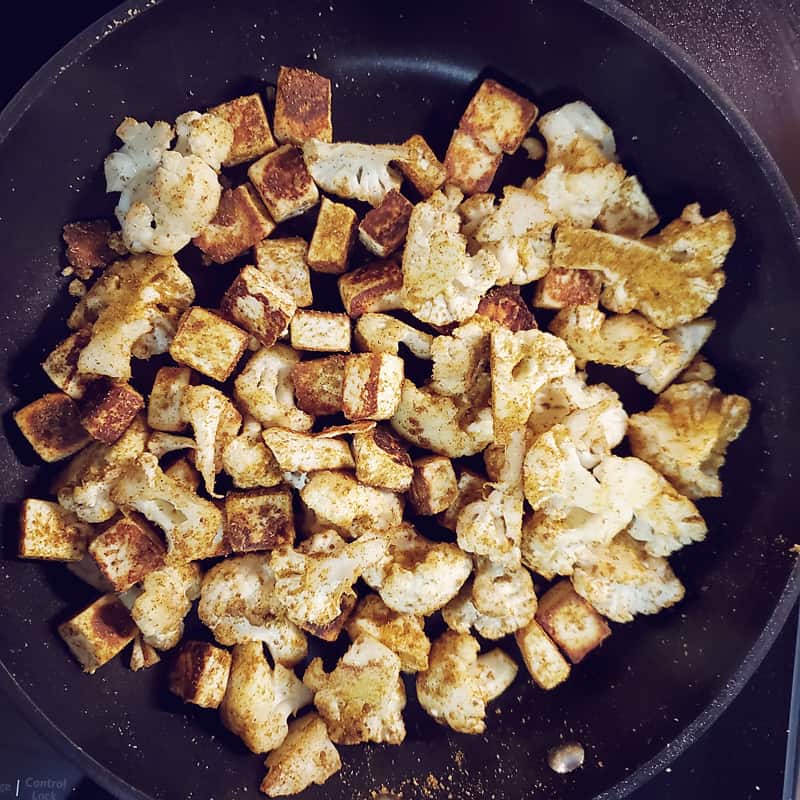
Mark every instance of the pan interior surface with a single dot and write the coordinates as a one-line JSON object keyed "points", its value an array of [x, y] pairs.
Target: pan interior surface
{"points": [[399, 69]]}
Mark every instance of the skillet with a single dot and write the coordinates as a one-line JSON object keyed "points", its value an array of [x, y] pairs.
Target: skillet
{"points": [[658, 683]]}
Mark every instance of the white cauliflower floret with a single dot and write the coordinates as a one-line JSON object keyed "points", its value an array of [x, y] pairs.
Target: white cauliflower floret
{"points": [[628, 211], [575, 134], [363, 699], [353, 170], [248, 460], [459, 683], [141, 152], [458, 359], [207, 136], [473, 211], [380, 333], [259, 701]]}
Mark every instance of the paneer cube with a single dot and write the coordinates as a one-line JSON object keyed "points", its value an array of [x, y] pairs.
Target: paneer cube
{"points": [[560, 288], [304, 452], [425, 172], [256, 305], [506, 306], [52, 426], [87, 246], [571, 622], [320, 332], [302, 106], [545, 663], [183, 472], [108, 408], [252, 136], [241, 221], [319, 384], [99, 632], [126, 551], [384, 228], [372, 385], [50, 532], [61, 366], [143, 655], [333, 237], [208, 343], [261, 519], [284, 262], [283, 182], [433, 485], [199, 674], [376, 287], [470, 166], [382, 460], [164, 406]]}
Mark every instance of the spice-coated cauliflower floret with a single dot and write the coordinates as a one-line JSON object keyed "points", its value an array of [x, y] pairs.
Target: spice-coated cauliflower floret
{"points": [[459, 358], [363, 699], [628, 211], [259, 701], [248, 460], [577, 136], [380, 333], [207, 136], [459, 683]]}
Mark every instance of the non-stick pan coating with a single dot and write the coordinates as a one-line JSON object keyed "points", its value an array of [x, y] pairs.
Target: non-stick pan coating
{"points": [[400, 68]]}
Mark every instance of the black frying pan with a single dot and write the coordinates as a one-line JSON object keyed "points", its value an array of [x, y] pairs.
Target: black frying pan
{"points": [[658, 683]]}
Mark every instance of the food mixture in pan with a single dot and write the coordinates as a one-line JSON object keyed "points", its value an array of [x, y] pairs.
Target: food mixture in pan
{"points": [[427, 456]]}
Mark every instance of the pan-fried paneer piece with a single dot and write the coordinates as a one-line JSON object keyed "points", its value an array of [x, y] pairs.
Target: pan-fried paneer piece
{"points": [[304, 452], [107, 409], [686, 434], [126, 551], [381, 460], [252, 136], [383, 230], [50, 532], [306, 756], [421, 167], [560, 288], [469, 164], [284, 262], [628, 212], [61, 366], [208, 343], [380, 333], [283, 182], [544, 661], [99, 632], [52, 427], [259, 520], [320, 331], [164, 404], [571, 622], [363, 699], [241, 221], [318, 385], [433, 485], [143, 655], [373, 288], [302, 106], [87, 246], [333, 238], [199, 674], [459, 683], [506, 306], [372, 384]]}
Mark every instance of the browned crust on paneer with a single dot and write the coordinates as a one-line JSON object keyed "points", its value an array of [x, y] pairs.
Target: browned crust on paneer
{"points": [[391, 445], [506, 306], [423, 169], [284, 263], [164, 404], [52, 426], [199, 674], [61, 366], [331, 630], [108, 407], [126, 551], [302, 106], [333, 238], [429, 472], [260, 519], [372, 384], [562, 287], [384, 228], [372, 288], [252, 136], [87, 246], [283, 183], [50, 532], [318, 385], [470, 166]]}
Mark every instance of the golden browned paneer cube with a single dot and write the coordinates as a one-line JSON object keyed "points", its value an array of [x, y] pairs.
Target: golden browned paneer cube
{"points": [[199, 674], [375, 287], [261, 519], [320, 331], [571, 622], [52, 426], [61, 366], [108, 408], [568, 287], [50, 532], [252, 136], [545, 663], [208, 343], [318, 385], [469, 165], [498, 117], [302, 106], [384, 228], [126, 551], [143, 655], [333, 237], [433, 485], [470, 487], [283, 182], [372, 383], [284, 262], [87, 246], [253, 303], [241, 221], [382, 460], [183, 472], [506, 306], [425, 172], [164, 406], [99, 632]]}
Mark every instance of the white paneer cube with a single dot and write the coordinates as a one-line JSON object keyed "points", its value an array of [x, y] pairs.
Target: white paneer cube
{"points": [[320, 332], [547, 666], [199, 674], [50, 532], [372, 385], [433, 485], [285, 263], [382, 460]]}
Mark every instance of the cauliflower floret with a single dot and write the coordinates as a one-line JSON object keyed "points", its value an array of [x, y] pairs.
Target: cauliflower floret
{"points": [[259, 701], [353, 170], [141, 152], [460, 357], [207, 136], [576, 135], [628, 211], [248, 460], [264, 389], [380, 333], [417, 576], [622, 579], [685, 435], [363, 699], [459, 683], [473, 211]]}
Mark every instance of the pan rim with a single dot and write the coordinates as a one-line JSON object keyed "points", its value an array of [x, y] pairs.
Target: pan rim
{"points": [[123, 13]]}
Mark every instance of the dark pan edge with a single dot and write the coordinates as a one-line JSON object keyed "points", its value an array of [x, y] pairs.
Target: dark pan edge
{"points": [[126, 11]]}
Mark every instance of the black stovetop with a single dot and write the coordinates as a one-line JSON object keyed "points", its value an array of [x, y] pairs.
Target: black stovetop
{"points": [[752, 49]]}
